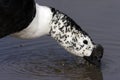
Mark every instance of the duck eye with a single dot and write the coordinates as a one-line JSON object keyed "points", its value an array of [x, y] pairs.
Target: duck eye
{"points": [[85, 42]]}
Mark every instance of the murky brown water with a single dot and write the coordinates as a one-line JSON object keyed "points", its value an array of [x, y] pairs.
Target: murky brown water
{"points": [[44, 59]]}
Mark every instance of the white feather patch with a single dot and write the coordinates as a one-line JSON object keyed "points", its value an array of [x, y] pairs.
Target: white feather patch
{"points": [[39, 26]]}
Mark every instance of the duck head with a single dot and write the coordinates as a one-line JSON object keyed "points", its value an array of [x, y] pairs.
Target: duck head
{"points": [[74, 39]]}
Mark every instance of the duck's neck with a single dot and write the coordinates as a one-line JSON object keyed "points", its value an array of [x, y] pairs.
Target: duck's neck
{"points": [[67, 33], [39, 26], [62, 28]]}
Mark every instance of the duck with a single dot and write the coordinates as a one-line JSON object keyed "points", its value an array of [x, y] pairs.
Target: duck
{"points": [[26, 19]]}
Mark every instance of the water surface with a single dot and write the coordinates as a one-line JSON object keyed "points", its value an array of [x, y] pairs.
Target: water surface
{"points": [[44, 59]]}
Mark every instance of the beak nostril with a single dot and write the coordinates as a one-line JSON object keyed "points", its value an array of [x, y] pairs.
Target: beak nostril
{"points": [[99, 50], [99, 61]]}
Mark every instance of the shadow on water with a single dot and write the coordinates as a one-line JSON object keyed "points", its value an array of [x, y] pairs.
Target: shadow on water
{"points": [[44, 64], [43, 59]]}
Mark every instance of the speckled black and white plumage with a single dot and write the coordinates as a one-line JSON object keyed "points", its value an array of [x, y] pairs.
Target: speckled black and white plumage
{"points": [[70, 35], [27, 20], [61, 27]]}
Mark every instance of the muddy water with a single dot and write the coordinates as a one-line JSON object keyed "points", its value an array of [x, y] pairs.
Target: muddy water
{"points": [[44, 59]]}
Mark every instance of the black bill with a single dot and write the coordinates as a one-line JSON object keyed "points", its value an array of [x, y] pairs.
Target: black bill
{"points": [[96, 56]]}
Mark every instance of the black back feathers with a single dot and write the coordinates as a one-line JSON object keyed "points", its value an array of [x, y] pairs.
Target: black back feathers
{"points": [[15, 15]]}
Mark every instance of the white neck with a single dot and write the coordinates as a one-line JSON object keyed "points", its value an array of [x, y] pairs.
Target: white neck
{"points": [[39, 26], [61, 27]]}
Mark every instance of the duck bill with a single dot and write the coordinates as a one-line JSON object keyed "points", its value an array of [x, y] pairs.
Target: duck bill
{"points": [[96, 56]]}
